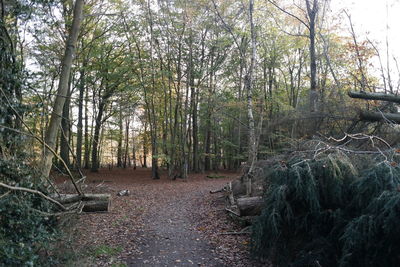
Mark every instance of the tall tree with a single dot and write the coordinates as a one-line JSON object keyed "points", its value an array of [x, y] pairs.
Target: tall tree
{"points": [[51, 132]]}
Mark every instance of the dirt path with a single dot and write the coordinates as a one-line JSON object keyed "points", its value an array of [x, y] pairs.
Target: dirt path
{"points": [[171, 237], [161, 223]]}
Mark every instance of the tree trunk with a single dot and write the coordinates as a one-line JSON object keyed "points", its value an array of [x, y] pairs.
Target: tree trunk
{"points": [[379, 117], [145, 149], [312, 14], [133, 151], [126, 152], [87, 143], [96, 137], [375, 96], [65, 129], [120, 134], [195, 128], [79, 136], [248, 82], [51, 132]]}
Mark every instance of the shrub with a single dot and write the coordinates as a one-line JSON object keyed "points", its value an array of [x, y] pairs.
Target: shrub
{"points": [[24, 229]]}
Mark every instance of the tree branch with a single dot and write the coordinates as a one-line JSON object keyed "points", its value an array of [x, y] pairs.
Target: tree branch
{"points": [[290, 14], [23, 189]]}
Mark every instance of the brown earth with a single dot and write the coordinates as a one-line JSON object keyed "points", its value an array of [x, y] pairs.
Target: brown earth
{"points": [[161, 223]]}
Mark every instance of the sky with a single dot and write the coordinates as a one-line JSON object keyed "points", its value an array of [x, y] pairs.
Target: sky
{"points": [[370, 18]]}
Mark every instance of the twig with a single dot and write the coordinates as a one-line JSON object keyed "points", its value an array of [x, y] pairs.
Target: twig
{"points": [[217, 191], [51, 150], [231, 211], [235, 233], [78, 190], [24, 189], [5, 194], [78, 210]]}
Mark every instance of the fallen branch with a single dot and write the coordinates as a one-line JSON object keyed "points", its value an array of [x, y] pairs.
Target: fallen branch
{"points": [[5, 194], [231, 211], [24, 189], [235, 233], [244, 231], [217, 191], [30, 134], [380, 117], [49, 214], [375, 96]]}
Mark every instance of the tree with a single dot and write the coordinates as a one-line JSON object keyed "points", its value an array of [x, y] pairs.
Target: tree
{"points": [[51, 132]]}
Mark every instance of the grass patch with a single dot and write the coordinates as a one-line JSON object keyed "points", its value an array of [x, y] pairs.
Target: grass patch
{"points": [[215, 176], [104, 250]]}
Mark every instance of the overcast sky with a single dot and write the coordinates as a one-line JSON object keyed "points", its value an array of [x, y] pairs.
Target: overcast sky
{"points": [[370, 17]]}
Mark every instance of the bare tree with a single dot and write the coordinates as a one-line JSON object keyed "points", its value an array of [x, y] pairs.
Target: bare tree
{"points": [[312, 9]]}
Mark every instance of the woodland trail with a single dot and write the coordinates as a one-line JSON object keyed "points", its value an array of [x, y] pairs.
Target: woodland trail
{"points": [[161, 222]]}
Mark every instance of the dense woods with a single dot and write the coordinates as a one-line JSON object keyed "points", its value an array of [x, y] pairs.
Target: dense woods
{"points": [[188, 87]]}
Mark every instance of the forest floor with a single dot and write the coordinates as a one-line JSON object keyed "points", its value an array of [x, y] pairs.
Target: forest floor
{"points": [[161, 223]]}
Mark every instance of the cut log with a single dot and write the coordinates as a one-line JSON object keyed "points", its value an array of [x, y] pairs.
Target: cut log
{"points": [[375, 96], [96, 206], [91, 202], [249, 206], [71, 198], [378, 116]]}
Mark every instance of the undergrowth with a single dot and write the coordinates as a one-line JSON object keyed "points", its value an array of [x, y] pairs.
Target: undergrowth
{"points": [[26, 233]]}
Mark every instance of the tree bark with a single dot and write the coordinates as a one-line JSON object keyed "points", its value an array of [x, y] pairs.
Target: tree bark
{"points": [[248, 83], [65, 130], [96, 137], [312, 14], [87, 142], [375, 96], [126, 152], [72, 198], [79, 137], [51, 132], [249, 206], [120, 133], [379, 117]]}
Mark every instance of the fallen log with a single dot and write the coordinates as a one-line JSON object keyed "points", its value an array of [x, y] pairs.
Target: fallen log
{"points": [[375, 96], [71, 198], [91, 202], [378, 116], [96, 206], [249, 206]]}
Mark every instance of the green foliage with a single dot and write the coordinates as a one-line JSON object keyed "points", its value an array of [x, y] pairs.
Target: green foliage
{"points": [[24, 231], [321, 212]]}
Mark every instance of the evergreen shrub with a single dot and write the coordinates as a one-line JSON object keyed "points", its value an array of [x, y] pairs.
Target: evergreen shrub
{"points": [[25, 231], [325, 212]]}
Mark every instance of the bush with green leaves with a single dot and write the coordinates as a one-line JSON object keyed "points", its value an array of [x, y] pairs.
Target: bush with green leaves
{"points": [[323, 212], [25, 231]]}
